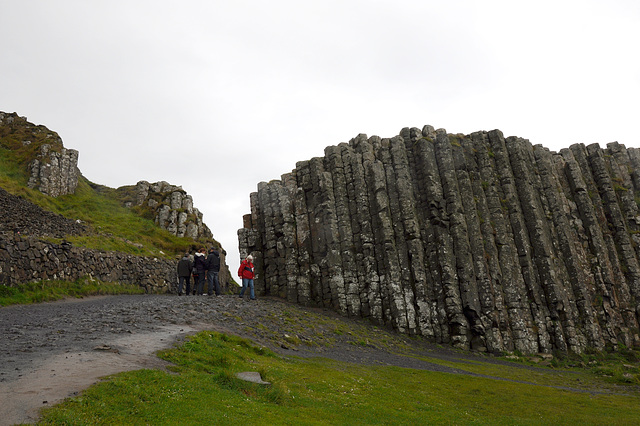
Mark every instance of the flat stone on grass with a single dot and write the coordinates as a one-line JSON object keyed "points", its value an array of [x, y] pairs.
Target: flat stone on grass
{"points": [[252, 376]]}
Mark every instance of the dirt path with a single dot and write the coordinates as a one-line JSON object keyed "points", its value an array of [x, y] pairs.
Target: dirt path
{"points": [[51, 351]]}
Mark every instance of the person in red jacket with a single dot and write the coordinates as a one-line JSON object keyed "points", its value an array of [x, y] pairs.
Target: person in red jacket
{"points": [[246, 273]]}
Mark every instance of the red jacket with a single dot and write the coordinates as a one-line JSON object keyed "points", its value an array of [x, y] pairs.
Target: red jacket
{"points": [[246, 270]]}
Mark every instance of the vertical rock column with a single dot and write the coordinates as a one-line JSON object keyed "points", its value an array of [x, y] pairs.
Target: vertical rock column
{"points": [[415, 276], [517, 327], [357, 153], [442, 287], [391, 291], [398, 189], [579, 283], [288, 248], [493, 314], [325, 237], [621, 243], [459, 243], [338, 172]]}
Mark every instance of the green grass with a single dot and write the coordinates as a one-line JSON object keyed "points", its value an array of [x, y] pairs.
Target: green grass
{"points": [[47, 291], [201, 388]]}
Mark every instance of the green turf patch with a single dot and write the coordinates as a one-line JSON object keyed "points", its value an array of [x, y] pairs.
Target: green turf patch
{"points": [[47, 291], [202, 388]]}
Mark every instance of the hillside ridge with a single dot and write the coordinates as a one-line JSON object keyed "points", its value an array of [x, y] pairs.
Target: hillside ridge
{"points": [[34, 157]]}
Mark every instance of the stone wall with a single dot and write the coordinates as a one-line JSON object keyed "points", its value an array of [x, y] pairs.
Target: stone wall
{"points": [[480, 241], [27, 259]]}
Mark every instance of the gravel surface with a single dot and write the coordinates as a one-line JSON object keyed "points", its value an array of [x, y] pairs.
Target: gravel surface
{"points": [[51, 351], [24, 217], [33, 332]]}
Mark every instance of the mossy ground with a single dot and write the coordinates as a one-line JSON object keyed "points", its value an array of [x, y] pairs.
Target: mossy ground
{"points": [[47, 291], [111, 226]]}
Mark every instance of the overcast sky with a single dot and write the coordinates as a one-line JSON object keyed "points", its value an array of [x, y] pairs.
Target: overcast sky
{"points": [[217, 96]]}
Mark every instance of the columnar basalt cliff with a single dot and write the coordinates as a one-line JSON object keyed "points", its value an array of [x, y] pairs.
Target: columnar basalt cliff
{"points": [[480, 241]]}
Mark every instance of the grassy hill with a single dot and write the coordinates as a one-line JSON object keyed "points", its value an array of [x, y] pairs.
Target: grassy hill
{"points": [[111, 226]]}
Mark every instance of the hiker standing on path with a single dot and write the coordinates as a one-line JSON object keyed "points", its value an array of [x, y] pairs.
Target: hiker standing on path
{"points": [[213, 267], [199, 266], [246, 273], [184, 273]]}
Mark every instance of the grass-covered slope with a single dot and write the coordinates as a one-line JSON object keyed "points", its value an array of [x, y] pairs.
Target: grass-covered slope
{"points": [[110, 225]]}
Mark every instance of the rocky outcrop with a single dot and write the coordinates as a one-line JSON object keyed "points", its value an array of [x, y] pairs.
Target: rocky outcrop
{"points": [[171, 208], [480, 241], [54, 173], [52, 169]]}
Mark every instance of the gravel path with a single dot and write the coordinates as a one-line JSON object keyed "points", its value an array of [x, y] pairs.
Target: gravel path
{"points": [[51, 351]]}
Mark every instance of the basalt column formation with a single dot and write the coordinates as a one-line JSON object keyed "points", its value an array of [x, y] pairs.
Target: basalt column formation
{"points": [[480, 241]]}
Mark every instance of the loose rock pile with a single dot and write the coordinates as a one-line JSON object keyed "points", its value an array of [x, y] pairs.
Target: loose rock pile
{"points": [[23, 217]]}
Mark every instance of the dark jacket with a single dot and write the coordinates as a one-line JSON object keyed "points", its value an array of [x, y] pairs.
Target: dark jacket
{"points": [[184, 267], [199, 263], [213, 261]]}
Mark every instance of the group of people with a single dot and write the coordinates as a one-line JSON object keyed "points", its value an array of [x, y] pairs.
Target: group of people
{"points": [[205, 267]]}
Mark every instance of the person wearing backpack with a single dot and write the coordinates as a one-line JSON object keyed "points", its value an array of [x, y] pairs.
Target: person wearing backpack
{"points": [[246, 273], [184, 274], [213, 268], [200, 267]]}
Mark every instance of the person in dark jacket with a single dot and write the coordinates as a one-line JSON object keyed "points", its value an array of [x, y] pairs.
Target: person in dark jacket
{"points": [[184, 274], [246, 273], [200, 267], [213, 268], [194, 275]]}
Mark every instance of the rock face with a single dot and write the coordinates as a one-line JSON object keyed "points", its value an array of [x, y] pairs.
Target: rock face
{"points": [[479, 241], [53, 169], [172, 209], [54, 173]]}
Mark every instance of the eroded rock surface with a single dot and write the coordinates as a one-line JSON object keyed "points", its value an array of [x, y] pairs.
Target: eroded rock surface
{"points": [[480, 241]]}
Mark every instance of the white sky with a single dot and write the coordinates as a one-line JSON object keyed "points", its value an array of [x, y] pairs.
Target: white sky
{"points": [[217, 96]]}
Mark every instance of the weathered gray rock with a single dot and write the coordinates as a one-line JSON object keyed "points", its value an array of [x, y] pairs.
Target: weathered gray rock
{"points": [[54, 173], [25, 259], [172, 209], [480, 241]]}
